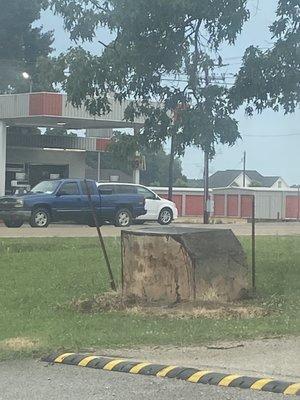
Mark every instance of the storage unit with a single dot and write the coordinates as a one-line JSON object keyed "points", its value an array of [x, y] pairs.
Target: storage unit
{"points": [[270, 204]]}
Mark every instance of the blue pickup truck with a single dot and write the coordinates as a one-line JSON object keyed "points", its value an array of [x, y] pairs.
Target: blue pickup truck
{"points": [[67, 200]]}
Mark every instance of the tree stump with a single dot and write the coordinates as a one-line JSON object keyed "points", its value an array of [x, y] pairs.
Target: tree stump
{"points": [[174, 264]]}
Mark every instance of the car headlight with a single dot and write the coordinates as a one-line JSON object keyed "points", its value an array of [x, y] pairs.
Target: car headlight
{"points": [[19, 203]]}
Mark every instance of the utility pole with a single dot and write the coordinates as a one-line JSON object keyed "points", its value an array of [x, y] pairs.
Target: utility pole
{"points": [[244, 170], [206, 189], [171, 168], [298, 213], [206, 171]]}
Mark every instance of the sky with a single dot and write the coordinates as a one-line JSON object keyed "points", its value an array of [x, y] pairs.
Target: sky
{"points": [[271, 140]]}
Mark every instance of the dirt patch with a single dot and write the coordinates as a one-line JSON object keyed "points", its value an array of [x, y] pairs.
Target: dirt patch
{"points": [[112, 301], [18, 344], [274, 357]]}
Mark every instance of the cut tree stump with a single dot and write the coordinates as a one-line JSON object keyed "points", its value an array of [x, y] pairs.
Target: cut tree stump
{"points": [[174, 264]]}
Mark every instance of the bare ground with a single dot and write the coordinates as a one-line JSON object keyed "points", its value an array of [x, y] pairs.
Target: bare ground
{"points": [[239, 228], [278, 357]]}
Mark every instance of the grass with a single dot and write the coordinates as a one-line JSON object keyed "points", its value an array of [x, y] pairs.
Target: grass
{"points": [[39, 275]]}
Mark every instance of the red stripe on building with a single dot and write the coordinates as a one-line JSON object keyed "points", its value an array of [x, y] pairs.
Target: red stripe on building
{"points": [[194, 205], [292, 207], [45, 104], [246, 206], [232, 205], [102, 144], [219, 203]]}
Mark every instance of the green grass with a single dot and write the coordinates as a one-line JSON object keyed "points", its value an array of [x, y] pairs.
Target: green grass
{"points": [[39, 275]]}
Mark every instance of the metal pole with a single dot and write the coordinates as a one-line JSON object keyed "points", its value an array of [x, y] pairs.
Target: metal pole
{"points": [[99, 166], [30, 85], [298, 213], [244, 170], [253, 245], [171, 169], [102, 244], [206, 188]]}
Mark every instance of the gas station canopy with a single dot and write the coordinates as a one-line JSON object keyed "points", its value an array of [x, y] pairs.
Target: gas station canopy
{"points": [[53, 110]]}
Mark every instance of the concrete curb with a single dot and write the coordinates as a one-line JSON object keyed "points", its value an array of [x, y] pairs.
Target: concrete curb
{"points": [[169, 371]]}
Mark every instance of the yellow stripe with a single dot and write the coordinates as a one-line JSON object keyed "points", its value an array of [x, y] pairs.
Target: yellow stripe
{"points": [[258, 385], [228, 379], [292, 389], [136, 369], [112, 364], [165, 371], [198, 375], [86, 360], [61, 358]]}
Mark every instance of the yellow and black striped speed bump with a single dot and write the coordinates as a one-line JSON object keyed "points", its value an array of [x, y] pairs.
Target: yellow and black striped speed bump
{"points": [[169, 371]]}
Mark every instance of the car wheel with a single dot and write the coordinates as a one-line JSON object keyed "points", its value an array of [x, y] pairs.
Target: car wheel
{"points": [[165, 216], [13, 223], [123, 218], [40, 218]]}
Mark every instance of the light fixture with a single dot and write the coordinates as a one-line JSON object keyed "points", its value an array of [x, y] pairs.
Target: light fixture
{"points": [[61, 123], [26, 75]]}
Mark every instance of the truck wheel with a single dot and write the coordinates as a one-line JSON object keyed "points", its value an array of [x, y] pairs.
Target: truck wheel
{"points": [[165, 216], [123, 218], [13, 223], [40, 218]]}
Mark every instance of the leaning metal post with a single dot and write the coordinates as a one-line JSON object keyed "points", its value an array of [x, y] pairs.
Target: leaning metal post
{"points": [[102, 244], [253, 244]]}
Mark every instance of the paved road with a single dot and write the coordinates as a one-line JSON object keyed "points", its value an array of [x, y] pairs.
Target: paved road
{"points": [[33, 380], [243, 229]]}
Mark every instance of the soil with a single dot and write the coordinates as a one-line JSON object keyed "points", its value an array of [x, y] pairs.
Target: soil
{"points": [[112, 301], [277, 357]]}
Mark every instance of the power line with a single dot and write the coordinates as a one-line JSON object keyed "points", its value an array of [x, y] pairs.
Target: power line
{"points": [[272, 135]]}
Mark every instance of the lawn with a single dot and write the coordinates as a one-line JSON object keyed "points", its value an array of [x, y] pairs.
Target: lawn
{"points": [[38, 276]]}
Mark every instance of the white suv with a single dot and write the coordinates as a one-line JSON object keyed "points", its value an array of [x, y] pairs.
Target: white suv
{"points": [[158, 209]]}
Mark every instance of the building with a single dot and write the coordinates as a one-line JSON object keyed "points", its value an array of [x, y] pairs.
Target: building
{"points": [[235, 178], [27, 159], [236, 203]]}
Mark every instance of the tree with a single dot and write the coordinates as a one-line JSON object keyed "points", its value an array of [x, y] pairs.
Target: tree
{"points": [[59, 132], [25, 48], [270, 79], [121, 154], [153, 41]]}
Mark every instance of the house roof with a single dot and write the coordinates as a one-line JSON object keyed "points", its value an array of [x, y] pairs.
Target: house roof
{"points": [[226, 178]]}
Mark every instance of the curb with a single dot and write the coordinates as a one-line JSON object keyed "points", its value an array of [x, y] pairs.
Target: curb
{"points": [[169, 371]]}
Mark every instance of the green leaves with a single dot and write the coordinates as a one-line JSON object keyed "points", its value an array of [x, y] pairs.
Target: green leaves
{"points": [[270, 79], [21, 44], [151, 42]]}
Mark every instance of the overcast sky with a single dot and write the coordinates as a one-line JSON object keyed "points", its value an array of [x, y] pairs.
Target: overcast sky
{"points": [[271, 140]]}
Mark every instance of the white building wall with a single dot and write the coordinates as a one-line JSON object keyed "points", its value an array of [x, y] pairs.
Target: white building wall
{"points": [[280, 184], [269, 205], [239, 181], [75, 160]]}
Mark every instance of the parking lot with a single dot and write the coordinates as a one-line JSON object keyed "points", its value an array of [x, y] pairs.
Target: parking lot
{"points": [[57, 230]]}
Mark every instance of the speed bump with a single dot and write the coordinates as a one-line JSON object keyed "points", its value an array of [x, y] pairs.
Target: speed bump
{"points": [[169, 371]]}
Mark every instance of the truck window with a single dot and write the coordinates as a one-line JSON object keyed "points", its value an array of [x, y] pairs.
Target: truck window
{"points": [[125, 189], [69, 189], [91, 187]]}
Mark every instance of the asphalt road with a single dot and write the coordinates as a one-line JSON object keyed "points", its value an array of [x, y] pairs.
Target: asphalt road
{"points": [[56, 230], [34, 380]]}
